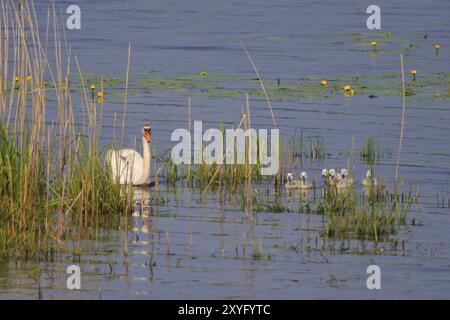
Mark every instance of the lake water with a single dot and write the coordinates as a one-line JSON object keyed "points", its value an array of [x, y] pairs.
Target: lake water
{"points": [[204, 234]]}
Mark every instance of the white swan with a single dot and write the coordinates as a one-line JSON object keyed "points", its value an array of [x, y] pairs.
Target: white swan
{"points": [[370, 181], [332, 178], [128, 165], [290, 182], [345, 181], [304, 183], [296, 184]]}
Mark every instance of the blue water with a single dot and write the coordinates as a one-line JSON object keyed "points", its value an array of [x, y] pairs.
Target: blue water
{"points": [[288, 40]]}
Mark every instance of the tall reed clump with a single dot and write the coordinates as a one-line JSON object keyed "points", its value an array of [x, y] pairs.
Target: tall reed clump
{"points": [[53, 182], [229, 175]]}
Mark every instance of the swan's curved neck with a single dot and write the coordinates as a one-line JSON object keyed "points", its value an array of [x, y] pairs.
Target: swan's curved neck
{"points": [[147, 161]]}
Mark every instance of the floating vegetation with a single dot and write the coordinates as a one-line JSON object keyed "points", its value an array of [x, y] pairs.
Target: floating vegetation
{"points": [[393, 43], [311, 88], [108, 82], [180, 84]]}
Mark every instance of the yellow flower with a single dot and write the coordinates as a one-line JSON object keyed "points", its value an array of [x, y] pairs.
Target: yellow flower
{"points": [[373, 44], [388, 34], [29, 78], [355, 38], [100, 97], [92, 87], [413, 72], [16, 79], [352, 92], [203, 73], [323, 83], [347, 87], [437, 46]]}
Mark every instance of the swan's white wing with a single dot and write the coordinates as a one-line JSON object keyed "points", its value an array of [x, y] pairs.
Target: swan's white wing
{"points": [[127, 164]]}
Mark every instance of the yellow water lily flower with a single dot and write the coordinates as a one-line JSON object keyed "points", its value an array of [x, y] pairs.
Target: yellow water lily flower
{"points": [[437, 46], [93, 87], [203, 73], [414, 72], [29, 78], [347, 87], [16, 79], [100, 97], [374, 44], [323, 83], [388, 34]]}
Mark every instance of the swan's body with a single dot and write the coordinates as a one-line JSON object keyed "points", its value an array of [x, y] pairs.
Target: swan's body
{"points": [[326, 177], [128, 165], [370, 181], [332, 177], [344, 181], [297, 184]]}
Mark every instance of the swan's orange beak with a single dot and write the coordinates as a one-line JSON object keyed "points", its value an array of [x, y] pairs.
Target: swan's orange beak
{"points": [[148, 135]]}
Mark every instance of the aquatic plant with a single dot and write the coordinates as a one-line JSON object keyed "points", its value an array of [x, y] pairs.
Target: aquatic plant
{"points": [[53, 181], [370, 151], [366, 215], [260, 203], [437, 46]]}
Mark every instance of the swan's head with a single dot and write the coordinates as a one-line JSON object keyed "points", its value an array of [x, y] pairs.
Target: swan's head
{"points": [[332, 173], [303, 176], [368, 174], [147, 132], [324, 173], [290, 177], [344, 173]]}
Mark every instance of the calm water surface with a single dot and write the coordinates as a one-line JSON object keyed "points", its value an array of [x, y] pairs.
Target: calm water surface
{"points": [[209, 256]]}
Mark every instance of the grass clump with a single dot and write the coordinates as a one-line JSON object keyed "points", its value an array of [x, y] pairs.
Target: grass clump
{"points": [[370, 153], [53, 182], [367, 216]]}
